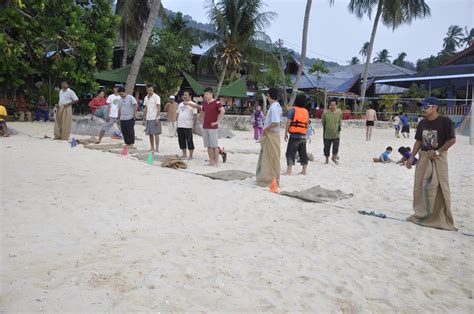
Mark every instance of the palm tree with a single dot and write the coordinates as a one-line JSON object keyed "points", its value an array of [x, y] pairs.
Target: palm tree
{"points": [[453, 39], [354, 61], [137, 59], [303, 52], [238, 37], [382, 56], [364, 49], [400, 60], [318, 67], [133, 17], [468, 36], [392, 12]]}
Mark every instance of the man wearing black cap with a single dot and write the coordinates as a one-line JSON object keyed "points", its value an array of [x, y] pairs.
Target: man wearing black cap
{"points": [[431, 197]]}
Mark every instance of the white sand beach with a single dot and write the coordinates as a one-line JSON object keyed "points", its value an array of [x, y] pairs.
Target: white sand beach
{"points": [[89, 231]]}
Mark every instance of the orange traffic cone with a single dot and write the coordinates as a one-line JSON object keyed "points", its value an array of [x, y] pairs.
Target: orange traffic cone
{"points": [[274, 186], [124, 150]]}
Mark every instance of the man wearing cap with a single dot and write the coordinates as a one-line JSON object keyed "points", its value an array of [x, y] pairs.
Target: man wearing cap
{"points": [[431, 196], [171, 109]]}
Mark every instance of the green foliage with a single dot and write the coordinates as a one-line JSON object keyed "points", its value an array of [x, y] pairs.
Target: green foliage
{"points": [[167, 54], [81, 37], [383, 56]]}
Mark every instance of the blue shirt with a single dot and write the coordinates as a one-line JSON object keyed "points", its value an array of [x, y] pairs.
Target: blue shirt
{"points": [[404, 120], [384, 156], [290, 116]]}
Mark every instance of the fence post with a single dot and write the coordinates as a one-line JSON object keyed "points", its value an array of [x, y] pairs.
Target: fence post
{"points": [[471, 126]]}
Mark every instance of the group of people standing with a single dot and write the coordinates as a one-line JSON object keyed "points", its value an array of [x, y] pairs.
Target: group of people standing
{"points": [[296, 134]]}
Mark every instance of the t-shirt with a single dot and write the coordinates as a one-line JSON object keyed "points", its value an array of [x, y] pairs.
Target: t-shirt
{"points": [[433, 134], [273, 116], [384, 156], [67, 96], [290, 116], [171, 109], [113, 101], [404, 120], [211, 112], [127, 107], [3, 112], [396, 120], [185, 116], [331, 125], [152, 103]]}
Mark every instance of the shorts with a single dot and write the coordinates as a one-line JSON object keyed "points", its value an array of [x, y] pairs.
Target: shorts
{"points": [[153, 127], [108, 125], [369, 123], [406, 129], [210, 137], [397, 127]]}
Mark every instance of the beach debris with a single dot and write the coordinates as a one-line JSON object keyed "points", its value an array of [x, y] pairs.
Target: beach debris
{"points": [[274, 186], [318, 194], [229, 175], [12, 254], [174, 163], [373, 213]]}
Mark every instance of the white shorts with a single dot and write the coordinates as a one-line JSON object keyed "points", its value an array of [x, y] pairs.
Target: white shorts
{"points": [[210, 137]]}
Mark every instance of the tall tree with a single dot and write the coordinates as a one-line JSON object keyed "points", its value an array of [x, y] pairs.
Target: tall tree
{"points": [[393, 14], [137, 59], [468, 36], [318, 67], [364, 49], [303, 52], [238, 39], [400, 60], [383, 56], [133, 14], [453, 39], [354, 61]]}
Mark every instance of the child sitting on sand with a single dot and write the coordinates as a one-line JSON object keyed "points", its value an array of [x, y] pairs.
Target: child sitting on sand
{"points": [[384, 157], [406, 154]]}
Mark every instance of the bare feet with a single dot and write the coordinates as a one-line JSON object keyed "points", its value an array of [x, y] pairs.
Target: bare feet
{"points": [[303, 173], [334, 159], [286, 173]]}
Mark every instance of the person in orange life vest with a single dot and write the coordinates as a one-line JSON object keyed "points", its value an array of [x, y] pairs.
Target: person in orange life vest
{"points": [[297, 126]]}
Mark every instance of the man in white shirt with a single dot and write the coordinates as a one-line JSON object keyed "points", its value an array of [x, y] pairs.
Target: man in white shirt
{"points": [[62, 124], [112, 112], [151, 117], [268, 166], [187, 117]]}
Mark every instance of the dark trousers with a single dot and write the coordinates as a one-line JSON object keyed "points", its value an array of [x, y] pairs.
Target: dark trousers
{"points": [[296, 145], [327, 146], [185, 138], [128, 131], [42, 112]]}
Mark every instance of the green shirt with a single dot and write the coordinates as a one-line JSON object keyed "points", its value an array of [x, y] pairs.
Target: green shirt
{"points": [[331, 124]]}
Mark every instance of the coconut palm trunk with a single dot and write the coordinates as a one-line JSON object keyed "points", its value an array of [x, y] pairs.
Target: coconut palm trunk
{"points": [[125, 51], [303, 52], [221, 80], [369, 50], [137, 59]]}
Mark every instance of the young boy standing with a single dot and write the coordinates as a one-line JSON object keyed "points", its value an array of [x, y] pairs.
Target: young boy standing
{"points": [[151, 118]]}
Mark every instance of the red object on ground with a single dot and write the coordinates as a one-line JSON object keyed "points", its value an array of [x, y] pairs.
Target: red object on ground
{"points": [[124, 150]]}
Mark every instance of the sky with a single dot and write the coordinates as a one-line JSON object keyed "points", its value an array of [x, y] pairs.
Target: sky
{"points": [[337, 35]]}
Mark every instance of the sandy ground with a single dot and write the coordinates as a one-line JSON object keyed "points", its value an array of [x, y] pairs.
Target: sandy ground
{"points": [[83, 230]]}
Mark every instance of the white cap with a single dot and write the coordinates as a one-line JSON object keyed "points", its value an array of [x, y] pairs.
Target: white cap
{"points": [[171, 97]]}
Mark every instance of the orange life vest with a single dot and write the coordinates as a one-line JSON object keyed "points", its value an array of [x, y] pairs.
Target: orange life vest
{"points": [[299, 124]]}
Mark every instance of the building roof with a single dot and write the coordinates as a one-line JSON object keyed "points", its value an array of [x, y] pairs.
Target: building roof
{"points": [[237, 89], [375, 69], [454, 75], [465, 56], [118, 76]]}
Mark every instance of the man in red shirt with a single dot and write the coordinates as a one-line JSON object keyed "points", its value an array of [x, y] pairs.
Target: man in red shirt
{"points": [[213, 112], [98, 105]]}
